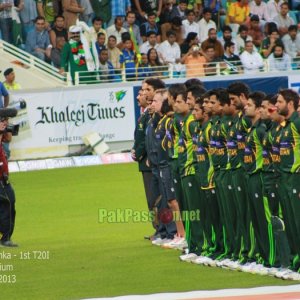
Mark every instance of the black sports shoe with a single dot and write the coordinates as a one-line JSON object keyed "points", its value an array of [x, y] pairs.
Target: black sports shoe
{"points": [[8, 244]]}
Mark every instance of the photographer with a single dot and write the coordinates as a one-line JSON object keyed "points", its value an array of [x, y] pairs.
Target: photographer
{"points": [[7, 195]]}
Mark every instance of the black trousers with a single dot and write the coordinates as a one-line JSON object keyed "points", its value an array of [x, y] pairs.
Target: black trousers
{"points": [[7, 211]]}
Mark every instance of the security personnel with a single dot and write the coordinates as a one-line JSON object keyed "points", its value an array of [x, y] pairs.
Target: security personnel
{"points": [[287, 103], [7, 195]]}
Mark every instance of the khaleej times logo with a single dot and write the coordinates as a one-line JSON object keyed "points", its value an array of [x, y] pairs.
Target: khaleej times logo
{"points": [[117, 96], [129, 215]]}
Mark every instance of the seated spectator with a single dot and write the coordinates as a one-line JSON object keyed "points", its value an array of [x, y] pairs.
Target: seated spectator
{"points": [[194, 61], [38, 42], [213, 62], [156, 67], [127, 60], [273, 7], [291, 42], [217, 11], [192, 39], [268, 43], [251, 60], [150, 43], [10, 83], [205, 24], [58, 30], [106, 69], [150, 25], [179, 10], [145, 7], [227, 37], [100, 44], [143, 69], [212, 41], [113, 52], [174, 25], [169, 53], [71, 9], [241, 38], [255, 31], [238, 14], [132, 28], [117, 29], [56, 51], [189, 24], [232, 60], [283, 20], [260, 9], [95, 29], [279, 60]]}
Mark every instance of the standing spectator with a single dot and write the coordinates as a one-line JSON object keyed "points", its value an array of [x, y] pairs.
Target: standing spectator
{"points": [[176, 26], [113, 52], [6, 22], [166, 12], [102, 9], [4, 96], [189, 24], [27, 16], [127, 60], [132, 28], [212, 40], [150, 25], [283, 20], [10, 83], [145, 7], [71, 9], [87, 15], [255, 31], [48, 9], [273, 7], [259, 8], [100, 43], [179, 10], [106, 69], [117, 29], [232, 60], [269, 42], [291, 42], [205, 24], [251, 60], [38, 42], [96, 28], [238, 14], [194, 61], [278, 60], [119, 8], [169, 52], [150, 43], [56, 51], [58, 30], [241, 38]]}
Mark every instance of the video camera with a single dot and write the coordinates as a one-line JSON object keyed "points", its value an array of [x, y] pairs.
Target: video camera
{"points": [[6, 113]]}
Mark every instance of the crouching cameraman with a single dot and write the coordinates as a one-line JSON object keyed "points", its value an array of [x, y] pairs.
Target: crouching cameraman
{"points": [[7, 195]]}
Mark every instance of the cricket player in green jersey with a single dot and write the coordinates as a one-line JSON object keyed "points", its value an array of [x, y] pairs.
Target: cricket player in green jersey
{"points": [[222, 111], [187, 163], [253, 162], [238, 95], [287, 104]]}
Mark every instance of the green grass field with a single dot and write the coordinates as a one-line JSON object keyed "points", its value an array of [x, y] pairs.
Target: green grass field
{"points": [[57, 211]]}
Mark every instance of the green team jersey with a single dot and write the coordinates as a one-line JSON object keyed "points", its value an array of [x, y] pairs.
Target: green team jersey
{"points": [[218, 142], [205, 170], [275, 152], [253, 156], [187, 160], [236, 140], [290, 145], [173, 132], [140, 141]]}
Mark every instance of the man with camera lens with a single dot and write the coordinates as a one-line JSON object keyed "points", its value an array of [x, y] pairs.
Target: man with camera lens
{"points": [[7, 195]]}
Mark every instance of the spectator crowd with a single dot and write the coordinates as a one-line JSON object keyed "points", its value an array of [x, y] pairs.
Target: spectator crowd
{"points": [[146, 38]]}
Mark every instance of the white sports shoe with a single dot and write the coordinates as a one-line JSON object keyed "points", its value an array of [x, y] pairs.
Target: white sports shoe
{"points": [[188, 257], [200, 260], [233, 265], [291, 276], [248, 266], [176, 243], [159, 241], [283, 272], [223, 262]]}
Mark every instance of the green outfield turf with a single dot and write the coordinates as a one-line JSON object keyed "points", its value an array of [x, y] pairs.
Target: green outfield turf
{"points": [[57, 212]]}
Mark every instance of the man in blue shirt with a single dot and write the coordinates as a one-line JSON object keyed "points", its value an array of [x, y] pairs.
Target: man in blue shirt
{"points": [[4, 97]]}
